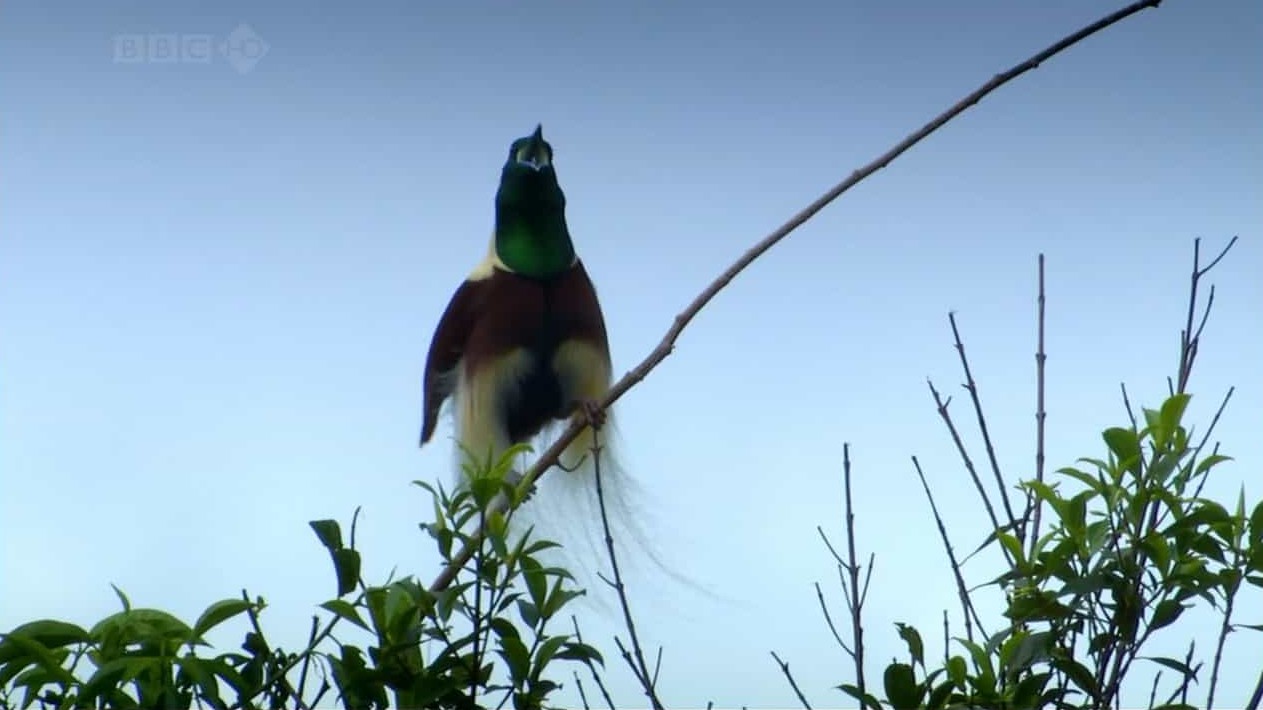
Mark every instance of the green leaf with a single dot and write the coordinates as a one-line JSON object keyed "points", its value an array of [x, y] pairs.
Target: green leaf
{"points": [[1174, 665], [346, 562], [46, 658], [982, 662], [912, 638], [202, 674], [956, 670], [539, 546], [329, 532], [529, 613], [402, 613], [218, 613], [1014, 548], [1165, 614], [580, 652], [1029, 689], [1161, 470], [515, 655], [1074, 518], [220, 667], [141, 626], [375, 599], [1256, 525], [1078, 674], [902, 689], [1159, 551], [111, 675], [940, 695], [868, 700], [1172, 412], [1093, 482], [1026, 650], [51, 633], [545, 653], [127, 603], [1124, 444], [345, 610]]}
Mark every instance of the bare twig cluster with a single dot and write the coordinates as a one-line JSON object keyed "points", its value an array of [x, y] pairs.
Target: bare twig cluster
{"points": [[853, 592]]}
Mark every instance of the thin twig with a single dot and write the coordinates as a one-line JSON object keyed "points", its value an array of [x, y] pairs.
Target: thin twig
{"points": [[843, 566], [641, 668], [667, 345], [583, 697], [302, 674], [792, 683], [946, 640], [942, 404], [1257, 696], [595, 676], [1197, 453], [1131, 413], [857, 602], [1214, 421], [971, 386], [1230, 597], [476, 656], [1034, 508], [253, 614], [966, 604], [1190, 338], [824, 608]]}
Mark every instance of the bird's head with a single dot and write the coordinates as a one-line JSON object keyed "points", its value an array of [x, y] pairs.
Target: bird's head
{"points": [[532, 152], [528, 180], [531, 234]]}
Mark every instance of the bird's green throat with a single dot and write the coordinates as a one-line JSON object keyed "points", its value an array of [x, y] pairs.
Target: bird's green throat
{"points": [[534, 245], [531, 237]]}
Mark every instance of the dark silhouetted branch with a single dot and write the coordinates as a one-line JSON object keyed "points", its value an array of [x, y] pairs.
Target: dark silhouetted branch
{"points": [[792, 683], [966, 604]]}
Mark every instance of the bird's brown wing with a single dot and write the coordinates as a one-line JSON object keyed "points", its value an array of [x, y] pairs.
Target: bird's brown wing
{"points": [[446, 349]]}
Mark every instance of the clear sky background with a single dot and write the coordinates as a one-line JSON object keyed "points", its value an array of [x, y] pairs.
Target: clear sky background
{"points": [[217, 287]]}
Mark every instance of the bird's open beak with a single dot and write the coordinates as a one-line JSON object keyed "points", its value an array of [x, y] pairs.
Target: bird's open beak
{"points": [[535, 155]]}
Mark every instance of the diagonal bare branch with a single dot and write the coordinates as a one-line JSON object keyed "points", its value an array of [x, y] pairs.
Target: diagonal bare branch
{"points": [[793, 683], [971, 386], [941, 405], [966, 604], [667, 345]]}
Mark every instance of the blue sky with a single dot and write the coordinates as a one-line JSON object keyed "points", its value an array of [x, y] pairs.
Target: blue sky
{"points": [[217, 286]]}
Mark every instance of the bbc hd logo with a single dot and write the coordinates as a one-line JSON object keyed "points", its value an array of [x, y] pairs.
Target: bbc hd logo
{"points": [[242, 48]]}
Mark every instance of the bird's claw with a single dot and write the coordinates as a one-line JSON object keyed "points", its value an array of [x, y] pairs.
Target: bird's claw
{"points": [[592, 413]]}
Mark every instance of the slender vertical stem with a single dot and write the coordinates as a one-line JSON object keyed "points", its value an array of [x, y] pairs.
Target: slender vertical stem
{"points": [[1041, 415], [640, 667], [853, 571]]}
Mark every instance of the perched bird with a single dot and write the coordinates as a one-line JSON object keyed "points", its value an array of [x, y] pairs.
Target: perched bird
{"points": [[522, 343]]}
